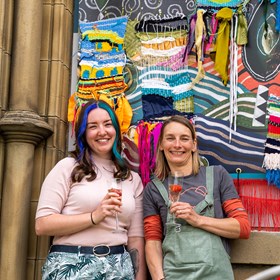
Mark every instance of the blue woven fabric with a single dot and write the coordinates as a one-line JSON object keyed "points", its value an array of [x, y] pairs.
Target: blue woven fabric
{"points": [[219, 3], [117, 25]]}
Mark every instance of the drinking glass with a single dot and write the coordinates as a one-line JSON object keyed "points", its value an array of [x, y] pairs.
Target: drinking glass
{"points": [[175, 187], [115, 185]]}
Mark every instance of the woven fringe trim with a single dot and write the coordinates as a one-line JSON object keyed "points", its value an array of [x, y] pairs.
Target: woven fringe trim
{"points": [[271, 161], [261, 201]]}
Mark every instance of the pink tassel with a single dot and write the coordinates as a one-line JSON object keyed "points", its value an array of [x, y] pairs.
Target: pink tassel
{"points": [[214, 26], [144, 152], [155, 135]]}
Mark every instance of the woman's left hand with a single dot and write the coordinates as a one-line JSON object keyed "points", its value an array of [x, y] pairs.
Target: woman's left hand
{"points": [[186, 212]]}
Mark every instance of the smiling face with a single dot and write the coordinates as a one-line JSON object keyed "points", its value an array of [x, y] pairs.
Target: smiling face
{"points": [[100, 133], [178, 145]]}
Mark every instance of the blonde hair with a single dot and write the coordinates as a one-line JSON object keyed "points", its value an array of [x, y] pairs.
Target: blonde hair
{"points": [[162, 168]]}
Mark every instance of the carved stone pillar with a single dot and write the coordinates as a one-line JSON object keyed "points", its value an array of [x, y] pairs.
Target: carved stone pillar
{"points": [[22, 129]]}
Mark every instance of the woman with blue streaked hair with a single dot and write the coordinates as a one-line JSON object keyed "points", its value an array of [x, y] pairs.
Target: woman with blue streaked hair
{"points": [[98, 233]]}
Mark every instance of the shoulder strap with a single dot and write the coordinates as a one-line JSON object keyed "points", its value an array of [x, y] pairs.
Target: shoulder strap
{"points": [[162, 190], [208, 201]]}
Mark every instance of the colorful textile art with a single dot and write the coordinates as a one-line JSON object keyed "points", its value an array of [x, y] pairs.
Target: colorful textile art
{"points": [[101, 65], [164, 87], [205, 65], [164, 83], [272, 145]]}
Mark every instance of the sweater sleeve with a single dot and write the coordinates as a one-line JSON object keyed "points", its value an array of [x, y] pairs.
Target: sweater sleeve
{"points": [[235, 209], [153, 228], [55, 188]]}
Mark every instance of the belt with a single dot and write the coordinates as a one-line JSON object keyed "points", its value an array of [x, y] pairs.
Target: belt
{"points": [[99, 250]]}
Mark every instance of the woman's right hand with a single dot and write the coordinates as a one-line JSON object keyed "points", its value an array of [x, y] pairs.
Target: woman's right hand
{"points": [[110, 204]]}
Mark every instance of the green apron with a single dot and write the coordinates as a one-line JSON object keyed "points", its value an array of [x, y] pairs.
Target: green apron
{"points": [[193, 253]]}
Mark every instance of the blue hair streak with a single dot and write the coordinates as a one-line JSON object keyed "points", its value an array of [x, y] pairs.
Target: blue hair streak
{"points": [[115, 123], [82, 129]]}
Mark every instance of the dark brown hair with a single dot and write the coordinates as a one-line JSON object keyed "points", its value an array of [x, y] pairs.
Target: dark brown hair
{"points": [[83, 154]]}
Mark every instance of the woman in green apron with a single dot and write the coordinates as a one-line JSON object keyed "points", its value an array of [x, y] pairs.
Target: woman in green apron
{"points": [[188, 239]]}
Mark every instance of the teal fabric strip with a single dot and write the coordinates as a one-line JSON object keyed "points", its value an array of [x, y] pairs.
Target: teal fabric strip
{"points": [[248, 175]]}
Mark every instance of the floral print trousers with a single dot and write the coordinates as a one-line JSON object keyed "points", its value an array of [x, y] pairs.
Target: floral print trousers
{"points": [[87, 267]]}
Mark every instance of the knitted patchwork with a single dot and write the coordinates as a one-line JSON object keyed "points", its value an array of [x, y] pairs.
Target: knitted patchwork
{"points": [[112, 30], [102, 61]]}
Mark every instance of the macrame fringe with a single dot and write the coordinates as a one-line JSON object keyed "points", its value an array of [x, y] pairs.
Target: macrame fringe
{"points": [[271, 161]]}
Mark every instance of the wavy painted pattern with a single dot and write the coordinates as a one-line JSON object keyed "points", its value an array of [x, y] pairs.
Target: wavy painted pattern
{"points": [[245, 150]]}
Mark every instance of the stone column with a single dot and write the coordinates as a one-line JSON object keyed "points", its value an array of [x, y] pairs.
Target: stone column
{"points": [[25, 66], [22, 129]]}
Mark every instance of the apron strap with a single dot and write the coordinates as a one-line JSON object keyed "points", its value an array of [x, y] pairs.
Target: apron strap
{"points": [[208, 201], [161, 188]]}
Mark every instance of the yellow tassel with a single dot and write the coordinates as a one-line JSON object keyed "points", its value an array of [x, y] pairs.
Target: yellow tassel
{"points": [[242, 28], [124, 113], [71, 108]]}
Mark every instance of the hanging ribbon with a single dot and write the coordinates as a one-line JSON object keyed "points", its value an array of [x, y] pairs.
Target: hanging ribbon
{"points": [[242, 27], [222, 43], [191, 37], [199, 42], [214, 26], [144, 151], [233, 77]]}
